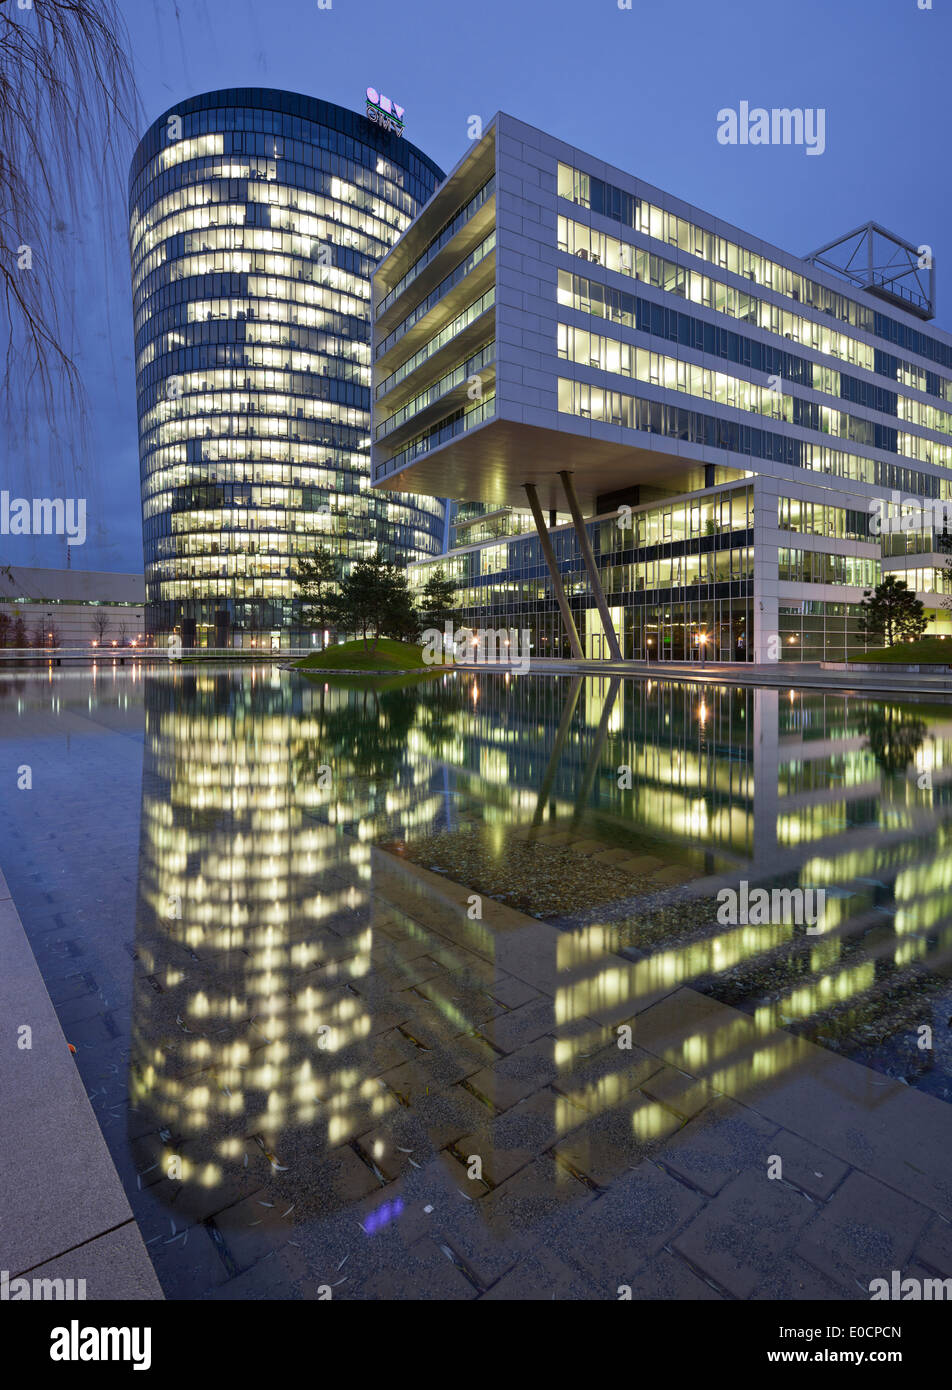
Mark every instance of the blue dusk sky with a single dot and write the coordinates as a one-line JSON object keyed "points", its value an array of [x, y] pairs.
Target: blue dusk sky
{"points": [[640, 88]]}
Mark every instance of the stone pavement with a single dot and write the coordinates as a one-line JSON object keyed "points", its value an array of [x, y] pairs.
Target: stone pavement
{"points": [[489, 1138], [63, 1213], [802, 675], [604, 1167]]}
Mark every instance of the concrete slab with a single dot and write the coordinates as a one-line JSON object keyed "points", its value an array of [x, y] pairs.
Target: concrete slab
{"points": [[863, 1233], [114, 1266], [60, 1189], [735, 1239]]}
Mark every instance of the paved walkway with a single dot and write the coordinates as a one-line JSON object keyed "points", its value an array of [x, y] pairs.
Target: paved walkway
{"points": [[63, 1213], [779, 675]]}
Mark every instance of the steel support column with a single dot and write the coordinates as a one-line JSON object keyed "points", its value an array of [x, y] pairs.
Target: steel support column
{"points": [[595, 755], [546, 544], [548, 781], [588, 555]]}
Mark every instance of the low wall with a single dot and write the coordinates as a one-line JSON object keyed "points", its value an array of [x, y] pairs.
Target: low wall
{"points": [[63, 1211]]}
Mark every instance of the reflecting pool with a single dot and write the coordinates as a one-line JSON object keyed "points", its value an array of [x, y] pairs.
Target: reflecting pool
{"points": [[437, 990]]}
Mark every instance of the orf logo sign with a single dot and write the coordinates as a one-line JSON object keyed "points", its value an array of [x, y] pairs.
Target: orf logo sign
{"points": [[385, 112]]}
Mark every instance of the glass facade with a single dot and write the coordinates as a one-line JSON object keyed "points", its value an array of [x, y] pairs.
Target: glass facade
{"points": [[256, 220], [678, 578], [728, 371]]}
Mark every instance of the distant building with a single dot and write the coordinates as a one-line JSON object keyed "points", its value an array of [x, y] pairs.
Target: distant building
{"points": [[73, 608], [666, 438], [256, 220]]}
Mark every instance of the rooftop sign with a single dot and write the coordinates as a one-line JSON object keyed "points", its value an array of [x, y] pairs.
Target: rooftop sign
{"points": [[385, 112]]}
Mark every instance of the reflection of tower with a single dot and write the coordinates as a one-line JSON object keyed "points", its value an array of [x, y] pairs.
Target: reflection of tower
{"points": [[253, 916]]}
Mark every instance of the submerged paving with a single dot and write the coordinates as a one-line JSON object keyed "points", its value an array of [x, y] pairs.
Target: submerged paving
{"points": [[325, 1070]]}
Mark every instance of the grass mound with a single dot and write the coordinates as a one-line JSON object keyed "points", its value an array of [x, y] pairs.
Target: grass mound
{"points": [[354, 656], [926, 649]]}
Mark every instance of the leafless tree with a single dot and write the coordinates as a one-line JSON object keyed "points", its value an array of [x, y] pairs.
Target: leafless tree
{"points": [[67, 109]]}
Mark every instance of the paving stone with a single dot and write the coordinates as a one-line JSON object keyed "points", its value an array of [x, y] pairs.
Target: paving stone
{"points": [[723, 1141], [428, 1273], [512, 992], [413, 1081], [515, 1029], [434, 1122], [113, 1265], [611, 856], [739, 1237], [537, 1122], [807, 1167], [410, 971], [514, 1077], [672, 875], [251, 1229], [436, 1206], [190, 1277], [892, 1132], [334, 1180], [864, 1232], [280, 1275], [935, 1246], [792, 1280], [527, 1206], [597, 1082], [678, 1091], [639, 864], [539, 1276], [666, 1278], [60, 1187], [614, 1236], [498, 1163], [531, 954], [610, 1144]]}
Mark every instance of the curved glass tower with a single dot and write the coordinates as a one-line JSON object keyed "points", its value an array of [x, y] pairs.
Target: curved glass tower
{"points": [[256, 220]]}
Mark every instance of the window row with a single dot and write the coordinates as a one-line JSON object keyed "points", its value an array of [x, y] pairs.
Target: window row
{"points": [[813, 567]]}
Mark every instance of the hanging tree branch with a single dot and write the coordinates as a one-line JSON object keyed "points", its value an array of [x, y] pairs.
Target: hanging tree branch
{"points": [[67, 108]]}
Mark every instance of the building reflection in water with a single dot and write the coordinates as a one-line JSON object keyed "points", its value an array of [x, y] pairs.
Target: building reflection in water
{"points": [[272, 993]]}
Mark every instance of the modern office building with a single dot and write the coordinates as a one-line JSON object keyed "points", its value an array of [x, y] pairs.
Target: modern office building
{"points": [[72, 608], [665, 436], [256, 219]]}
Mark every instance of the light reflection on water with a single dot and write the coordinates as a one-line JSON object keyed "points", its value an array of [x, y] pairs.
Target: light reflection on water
{"points": [[278, 974]]}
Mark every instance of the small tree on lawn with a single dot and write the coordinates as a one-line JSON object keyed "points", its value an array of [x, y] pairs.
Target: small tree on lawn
{"points": [[101, 626], [891, 613], [317, 600], [375, 601], [5, 626], [20, 638], [437, 600]]}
